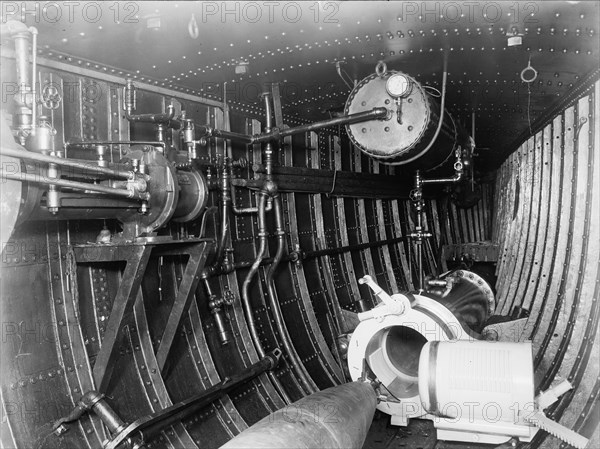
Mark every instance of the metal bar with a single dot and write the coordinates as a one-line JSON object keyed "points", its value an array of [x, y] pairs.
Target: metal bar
{"points": [[188, 285], [296, 257], [233, 136], [122, 308], [225, 200], [146, 356], [349, 248], [122, 193], [347, 183], [117, 142], [88, 166], [150, 425], [205, 130], [375, 113]]}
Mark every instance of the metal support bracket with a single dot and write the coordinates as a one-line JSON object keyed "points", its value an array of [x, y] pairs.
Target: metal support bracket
{"points": [[137, 256], [191, 276]]}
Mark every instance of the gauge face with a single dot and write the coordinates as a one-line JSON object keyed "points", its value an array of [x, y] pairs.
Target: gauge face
{"points": [[398, 85]]}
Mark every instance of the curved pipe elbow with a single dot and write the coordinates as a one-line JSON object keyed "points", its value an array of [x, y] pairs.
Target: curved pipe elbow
{"points": [[16, 27], [458, 176]]}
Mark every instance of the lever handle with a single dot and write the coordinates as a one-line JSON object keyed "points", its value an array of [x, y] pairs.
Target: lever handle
{"points": [[366, 279]]}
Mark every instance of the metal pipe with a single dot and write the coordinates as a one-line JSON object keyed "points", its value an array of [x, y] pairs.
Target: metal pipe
{"points": [[173, 124], [225, 200], [268, 147], [92, 401], [224, 335], [240, 210], [268, 111], [89, 167], [298, 256], [129, 96], [129, 105], [419, 248], [244, 210], [268, 158], [166, 118], [270, 135], [231, 135], [108, 416], [419, 255], [207, 131], [262, 235], [457, 177], [224, 231], [52, 199], [442, 109], [34, 33], [121, 193], [375, 113], [246, 264], [95, 402], [345, 249], [336, 418], [148, 426], [88, 143], [418, 205], [297, 365]]}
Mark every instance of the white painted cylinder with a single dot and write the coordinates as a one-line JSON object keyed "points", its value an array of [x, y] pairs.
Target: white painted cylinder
{"points": [[477, 381]]}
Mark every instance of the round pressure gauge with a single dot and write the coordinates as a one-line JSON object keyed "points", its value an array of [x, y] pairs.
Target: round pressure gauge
{"points": [[398, 85]]}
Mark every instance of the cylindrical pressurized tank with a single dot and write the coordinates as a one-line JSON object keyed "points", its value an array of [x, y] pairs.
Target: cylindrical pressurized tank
{"points": [[404, 137]]}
